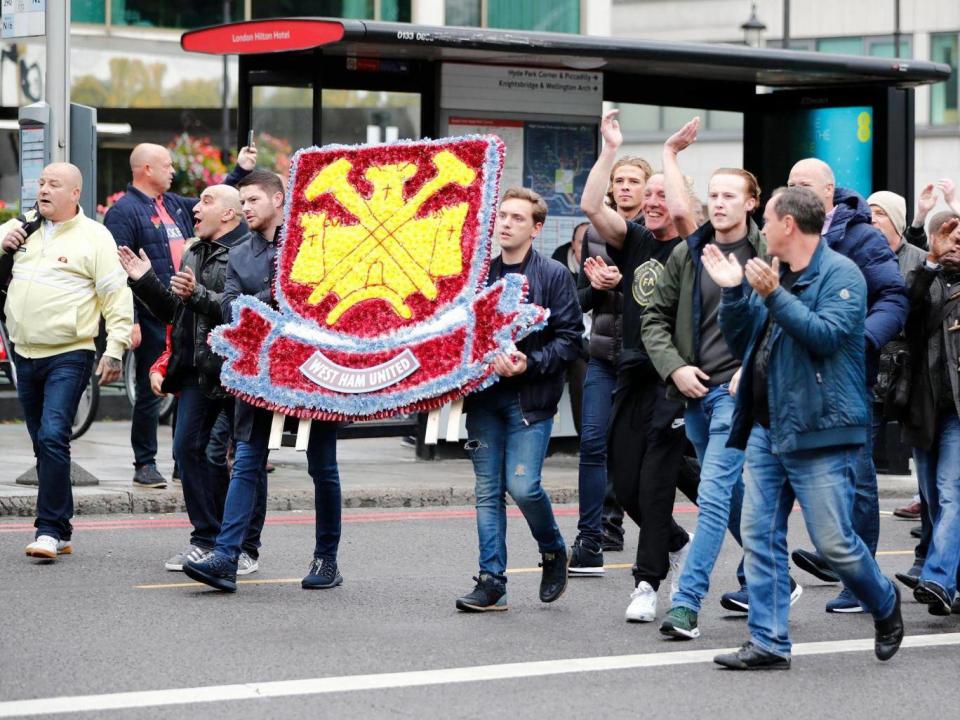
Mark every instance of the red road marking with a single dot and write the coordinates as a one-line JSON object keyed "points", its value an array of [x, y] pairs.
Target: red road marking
{"points": [[165, 522]]}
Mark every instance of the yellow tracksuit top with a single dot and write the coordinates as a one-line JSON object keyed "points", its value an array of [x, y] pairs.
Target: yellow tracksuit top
{"points": [[62, 283]]}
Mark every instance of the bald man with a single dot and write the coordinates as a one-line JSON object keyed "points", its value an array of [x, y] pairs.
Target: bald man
{"points": [[65, 276], [192, 305], [848, 229], [152, 219]]}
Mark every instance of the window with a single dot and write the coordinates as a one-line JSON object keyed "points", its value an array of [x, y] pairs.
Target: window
{"points": [[943, 95], [639, 120], [162, 13], [88, 11], [549, 15], [542, 15], [464, 13], [353, 9], [841, 46], [883, 47]]}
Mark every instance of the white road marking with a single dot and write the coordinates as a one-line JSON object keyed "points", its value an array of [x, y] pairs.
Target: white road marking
{"points": [[381, 681]]}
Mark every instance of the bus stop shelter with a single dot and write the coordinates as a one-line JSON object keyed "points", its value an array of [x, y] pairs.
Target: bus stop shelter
{"points": [[543, 94]]}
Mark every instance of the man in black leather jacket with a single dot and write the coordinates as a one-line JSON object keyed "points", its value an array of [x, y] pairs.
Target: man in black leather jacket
{"points": [[252, 271], [191, 305]]}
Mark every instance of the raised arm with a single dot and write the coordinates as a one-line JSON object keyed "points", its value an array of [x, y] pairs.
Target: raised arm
{"points": [[675, 186], [610, 226]]}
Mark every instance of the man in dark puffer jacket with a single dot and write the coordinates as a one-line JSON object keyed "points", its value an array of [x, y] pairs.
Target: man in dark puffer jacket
{"points": [[848, 230]]}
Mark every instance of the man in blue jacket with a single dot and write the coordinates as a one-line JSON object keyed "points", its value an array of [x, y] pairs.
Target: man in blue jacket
{"points": [[802, 414], [509, 423], [848, 230], [150, 218]]}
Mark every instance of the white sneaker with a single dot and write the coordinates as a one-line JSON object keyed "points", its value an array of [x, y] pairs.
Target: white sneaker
{"points": [[246, 564], [677, 560], [643, 604], [48, 547], [194, 553]]}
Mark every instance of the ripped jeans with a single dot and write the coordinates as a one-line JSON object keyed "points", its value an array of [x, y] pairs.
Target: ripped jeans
{"points": [[507, 456]]}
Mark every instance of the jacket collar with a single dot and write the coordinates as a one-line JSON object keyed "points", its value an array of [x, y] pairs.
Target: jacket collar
{"points": [[705, 233], [233, 237], [811, 271], [140, 195], [67, 224], [497, 262]]}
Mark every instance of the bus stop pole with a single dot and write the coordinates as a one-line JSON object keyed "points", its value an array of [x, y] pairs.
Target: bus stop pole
{"points": [[57, 89]]}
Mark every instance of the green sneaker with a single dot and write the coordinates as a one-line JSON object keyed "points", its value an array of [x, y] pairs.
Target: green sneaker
{"points": [[680, 623]]}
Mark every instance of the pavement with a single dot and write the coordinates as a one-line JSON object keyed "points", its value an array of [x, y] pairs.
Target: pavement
{"points": [[374, 472], [107, 633]]}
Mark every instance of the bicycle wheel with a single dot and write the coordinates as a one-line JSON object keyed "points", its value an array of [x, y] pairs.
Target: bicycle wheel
{"points": [[87, 409]]}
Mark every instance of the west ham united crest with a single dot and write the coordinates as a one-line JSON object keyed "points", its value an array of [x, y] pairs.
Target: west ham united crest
{"points": [[382, 304]]}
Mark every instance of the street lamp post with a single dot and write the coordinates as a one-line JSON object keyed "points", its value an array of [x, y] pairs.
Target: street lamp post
{"points": [[753, 28]]}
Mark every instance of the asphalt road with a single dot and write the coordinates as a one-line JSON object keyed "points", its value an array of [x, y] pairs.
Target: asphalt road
{"points": [[389, 643]]}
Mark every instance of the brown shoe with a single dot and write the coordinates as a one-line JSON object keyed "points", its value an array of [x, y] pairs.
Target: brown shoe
{"points": [[908, 512]]}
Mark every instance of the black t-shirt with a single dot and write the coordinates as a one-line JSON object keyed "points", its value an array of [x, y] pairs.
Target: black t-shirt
{"points": [[761, 363], [714, 357], [642, 259]]}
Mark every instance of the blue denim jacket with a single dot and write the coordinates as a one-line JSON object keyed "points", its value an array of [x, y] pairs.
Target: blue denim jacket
{"points": [[816, 374]]}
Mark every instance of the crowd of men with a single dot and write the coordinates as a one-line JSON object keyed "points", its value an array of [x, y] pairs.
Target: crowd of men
{"points": [[713, 347]]}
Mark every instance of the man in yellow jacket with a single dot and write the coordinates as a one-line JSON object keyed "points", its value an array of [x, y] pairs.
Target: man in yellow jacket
{"points": [[66, 274]]}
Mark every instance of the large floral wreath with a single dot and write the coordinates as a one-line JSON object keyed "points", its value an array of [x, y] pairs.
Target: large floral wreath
{"points": [[381, 298]]}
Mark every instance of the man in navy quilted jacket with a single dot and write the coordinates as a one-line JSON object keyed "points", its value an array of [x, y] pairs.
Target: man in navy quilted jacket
{"points": [[150, 218]]}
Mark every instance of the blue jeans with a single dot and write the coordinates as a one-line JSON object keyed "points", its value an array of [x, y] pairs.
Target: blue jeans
{"points": [[146, 406], [597, 403], [866, 502], [938, 471], [248, 489], [720, 495], [822, 482], [49, 390], [205, 484], [507, 456]]}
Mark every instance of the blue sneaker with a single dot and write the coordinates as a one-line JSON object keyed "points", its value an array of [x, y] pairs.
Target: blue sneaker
{"points": [[213, 570], [845, 602], [322, 575], [738, 601]]}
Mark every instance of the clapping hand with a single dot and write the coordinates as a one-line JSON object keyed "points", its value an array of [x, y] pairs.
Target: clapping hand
{"points": [[763, 278], [944, 240], [183, 283], [725, 271], [601, 275], [133, 265]]}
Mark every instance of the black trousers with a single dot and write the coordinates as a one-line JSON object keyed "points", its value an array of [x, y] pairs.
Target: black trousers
{"points": [[644, 460]]}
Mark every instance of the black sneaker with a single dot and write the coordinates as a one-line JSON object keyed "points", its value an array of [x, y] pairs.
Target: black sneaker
{"points": [[934, 596], [611, 543], [489, 594], [553, 581], [323, 574], [750, 657], [814, 564], [916, 532], [586, 559], [213, 570], [147, 476]]}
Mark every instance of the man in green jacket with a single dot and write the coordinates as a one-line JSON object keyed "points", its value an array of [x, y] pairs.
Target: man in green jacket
{"points": [[682, 335]]}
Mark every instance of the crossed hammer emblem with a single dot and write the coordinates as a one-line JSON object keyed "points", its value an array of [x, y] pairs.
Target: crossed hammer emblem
{"points": [[389, 254]]}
